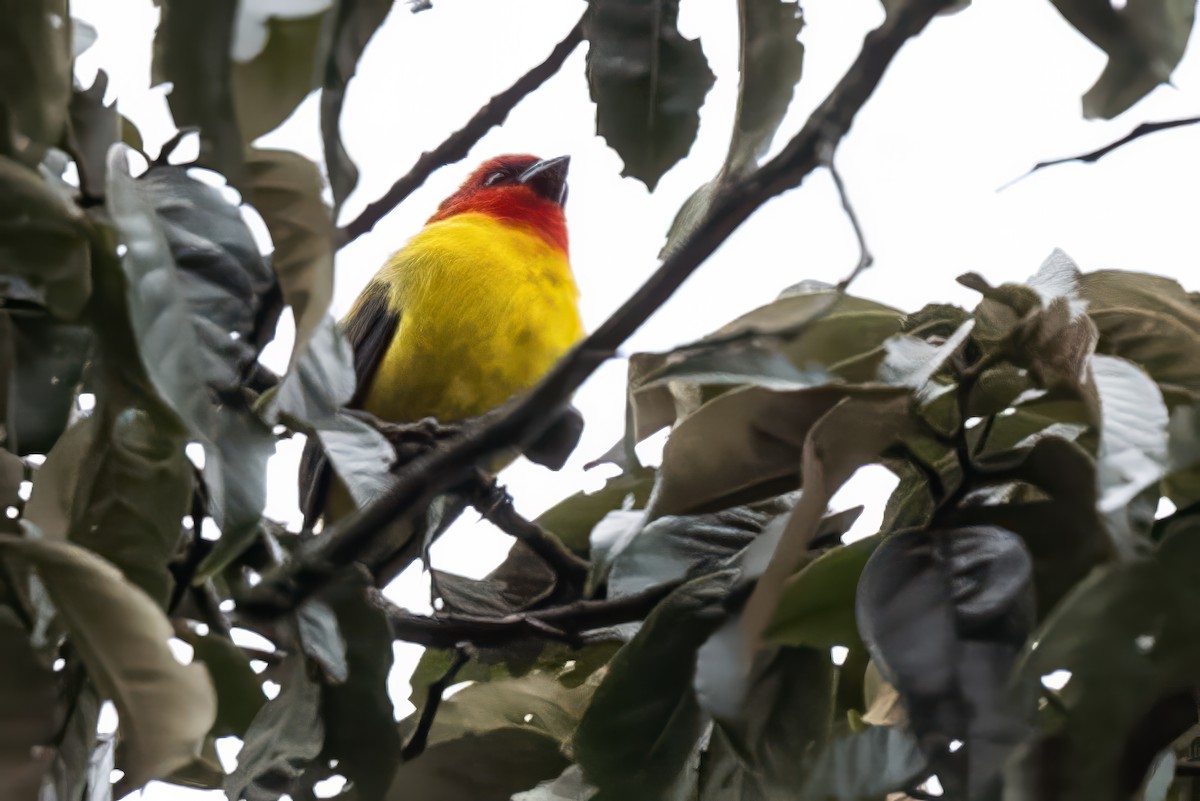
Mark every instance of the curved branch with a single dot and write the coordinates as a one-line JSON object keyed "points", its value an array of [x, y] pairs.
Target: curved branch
{"points": [[459, 144], [521, 422]]}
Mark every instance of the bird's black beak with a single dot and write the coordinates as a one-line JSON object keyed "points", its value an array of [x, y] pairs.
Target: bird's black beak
{"points": [[548, 178]]}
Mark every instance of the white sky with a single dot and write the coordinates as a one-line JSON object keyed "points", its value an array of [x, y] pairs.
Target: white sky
{"points": [[971, 104]]}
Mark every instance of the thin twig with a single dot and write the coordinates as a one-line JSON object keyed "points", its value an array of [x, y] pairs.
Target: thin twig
{"points": [[496, 505], [459, 144], [567, 623], [1145, 129], [433, 699], [441, 470], [865, 259]]}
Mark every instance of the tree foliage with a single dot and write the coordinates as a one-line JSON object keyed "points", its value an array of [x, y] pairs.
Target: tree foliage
{"points": [[667, 637]]}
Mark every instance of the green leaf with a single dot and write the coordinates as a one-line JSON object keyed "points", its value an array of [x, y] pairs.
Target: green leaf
{"points": [[166, 708], [882, 759], [816, 607], [286, 734], [191, 52], [135, 489], [360, 731], [32, 710], [185, 315], [94, 128], [269, 87], [35, 73], [50, 357], [537, 702], [285, 188], [770, 60], [637, 736], [1144, 41], [648, 83], [1129, 636], [321, 639], [482, 767], [42, 242], [572, 519], [239, 690], [944, 614], [354, 24]]}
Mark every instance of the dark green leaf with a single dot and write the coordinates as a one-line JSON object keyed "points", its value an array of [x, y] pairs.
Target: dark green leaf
{"points": [[817, 605], [268, 87], [35, 72], [50, 360], [32, 711], [166, 708], [637, 737], [94, 128], [648, 83], [482, 767], [354, 24], [321, 640], [195, 285], [944, 615], [882, 759], [771, 57], [572, 519], [360, 731], [286, 734], [1144, 42], [191, 51], [42, 242], [1131, 627], [285, 188], [239, 690]]}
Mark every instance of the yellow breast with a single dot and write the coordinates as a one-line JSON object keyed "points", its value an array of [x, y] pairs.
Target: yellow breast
{"points": [[486, 308]]}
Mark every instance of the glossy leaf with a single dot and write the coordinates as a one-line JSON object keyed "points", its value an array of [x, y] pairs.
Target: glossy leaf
{"points": [[166, 708], [648, 83]]}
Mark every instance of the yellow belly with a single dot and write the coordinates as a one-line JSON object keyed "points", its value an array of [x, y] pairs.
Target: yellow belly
{"points": [[486, 309]]}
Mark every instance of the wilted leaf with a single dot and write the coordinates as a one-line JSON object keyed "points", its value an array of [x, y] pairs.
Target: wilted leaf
{"points": [[42, 242], [355, 22], [648, 83], [32, 711], [880, 760], [1144, 42], [944, 614], [639, 731], [285, 188], [287, 733], [191, 52], [166, 708], [35, 72], [267, 88], [816, 607], [771, 57]]}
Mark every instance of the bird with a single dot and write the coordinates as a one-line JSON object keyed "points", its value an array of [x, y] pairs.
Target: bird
{"points": [[473, 310]]}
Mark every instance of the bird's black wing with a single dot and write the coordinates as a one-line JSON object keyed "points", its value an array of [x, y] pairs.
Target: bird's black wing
{"points": [[369, 328]]}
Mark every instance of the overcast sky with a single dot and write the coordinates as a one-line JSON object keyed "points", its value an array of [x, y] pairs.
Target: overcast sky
{"points": [[971, 104]]}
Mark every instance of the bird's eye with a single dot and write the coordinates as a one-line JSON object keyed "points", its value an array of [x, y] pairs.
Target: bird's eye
{"points": [[494, 178]]}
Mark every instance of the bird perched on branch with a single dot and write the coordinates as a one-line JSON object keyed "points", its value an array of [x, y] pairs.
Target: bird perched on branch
{"points": [[476, 308]]}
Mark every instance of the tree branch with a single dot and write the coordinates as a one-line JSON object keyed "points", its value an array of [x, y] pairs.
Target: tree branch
{"points": [[433, 699], [496, 505], [519, 424], [459, 144], [567, 623], [1145, 129]]}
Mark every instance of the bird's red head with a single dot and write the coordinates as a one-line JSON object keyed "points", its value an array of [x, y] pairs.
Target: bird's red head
{"points": [[520, 189]]}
